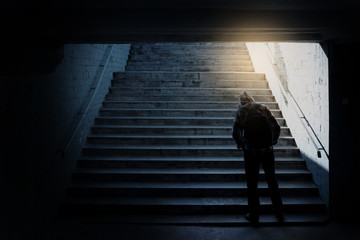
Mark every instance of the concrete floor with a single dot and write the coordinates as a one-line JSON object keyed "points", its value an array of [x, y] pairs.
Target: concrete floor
{"points": [[66, 230], [332, 230]]}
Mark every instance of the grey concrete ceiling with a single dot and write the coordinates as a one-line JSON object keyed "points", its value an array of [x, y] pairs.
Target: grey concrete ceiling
{"points": [[186, 4], [175, 20]]}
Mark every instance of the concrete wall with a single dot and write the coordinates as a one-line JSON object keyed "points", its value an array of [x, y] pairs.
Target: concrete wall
{"points": [[43, 108], [83, 66], [302, 70], [344, 130]]}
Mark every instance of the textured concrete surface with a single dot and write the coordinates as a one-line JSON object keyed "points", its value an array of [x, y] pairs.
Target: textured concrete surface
{"points": [[331, 231]]}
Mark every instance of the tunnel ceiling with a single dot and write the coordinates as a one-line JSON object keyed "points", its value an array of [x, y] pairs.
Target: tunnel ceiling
{"points": [[196, 20]]}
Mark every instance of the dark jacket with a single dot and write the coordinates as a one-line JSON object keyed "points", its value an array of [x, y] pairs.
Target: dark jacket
{"points": [[238, 127]]}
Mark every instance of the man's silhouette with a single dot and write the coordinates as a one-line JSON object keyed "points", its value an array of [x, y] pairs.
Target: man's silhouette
{"points": [[255, 130]]}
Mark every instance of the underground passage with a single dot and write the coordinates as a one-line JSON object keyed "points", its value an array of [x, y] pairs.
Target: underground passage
{"points": [[118, 122], [160, 148]]}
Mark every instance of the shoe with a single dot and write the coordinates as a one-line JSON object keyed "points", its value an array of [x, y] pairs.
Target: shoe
{"points": [[252, 217], [279, 216]]}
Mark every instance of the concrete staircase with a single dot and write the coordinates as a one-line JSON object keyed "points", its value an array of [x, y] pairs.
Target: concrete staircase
{"points": [[161, 149]]}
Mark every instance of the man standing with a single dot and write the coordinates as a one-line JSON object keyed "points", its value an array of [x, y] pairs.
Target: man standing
{"points": [[256, 130]]}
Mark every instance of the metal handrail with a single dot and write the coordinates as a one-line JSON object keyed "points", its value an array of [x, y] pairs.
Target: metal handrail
{"points": [[287, 91], [83, 114], [311, 128]]}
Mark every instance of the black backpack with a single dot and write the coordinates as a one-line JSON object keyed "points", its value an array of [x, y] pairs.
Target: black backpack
{"points": [[257, 131]]}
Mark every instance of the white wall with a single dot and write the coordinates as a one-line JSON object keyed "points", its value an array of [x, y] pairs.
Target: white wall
{"points": [[302, 70]]}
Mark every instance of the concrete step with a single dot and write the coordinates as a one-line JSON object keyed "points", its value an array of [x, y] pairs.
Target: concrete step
{"points": [[172, 122], [188, 54], [191, 83], [172, 140], [185, 130], [128, 112], [186, 205], [191, 44], [193, 98], [194, 68], [232, 219], [199, 189], [196, 76], [187, 49], [209, 92], [176, 122], [181, 175], [179, 150], [170, 57], [186, 62], [181, 162], [178, 47], [180, 104]]}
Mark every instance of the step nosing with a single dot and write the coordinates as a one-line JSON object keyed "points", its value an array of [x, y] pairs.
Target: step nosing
{"points": [[159, 126], [167, 117], [202, 201], [177, 101], [169, 136], [201, 185], [133, 158], [175, 109], [188, 88], [155, 147], [182, 173], [179, 72]]}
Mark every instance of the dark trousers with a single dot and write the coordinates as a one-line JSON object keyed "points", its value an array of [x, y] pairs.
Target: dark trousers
{"points": [[252, 160]]}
